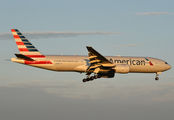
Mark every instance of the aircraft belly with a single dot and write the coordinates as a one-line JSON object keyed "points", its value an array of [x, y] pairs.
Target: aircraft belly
{"points": [[143, 69]]}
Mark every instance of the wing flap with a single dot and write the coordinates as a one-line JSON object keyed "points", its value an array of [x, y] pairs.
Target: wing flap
{"points": [[97, 61], [95, 66], [91, 57], [108, 65], [94, 61]]}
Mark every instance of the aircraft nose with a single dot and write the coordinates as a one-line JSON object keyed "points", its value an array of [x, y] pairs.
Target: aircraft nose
{"points": [[168, 67]]}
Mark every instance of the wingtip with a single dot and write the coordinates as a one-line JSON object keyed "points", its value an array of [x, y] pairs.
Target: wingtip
{"points": [[88, 47]]}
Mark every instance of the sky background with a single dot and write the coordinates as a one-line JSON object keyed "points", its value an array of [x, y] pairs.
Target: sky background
{"points": [[126, 27]]}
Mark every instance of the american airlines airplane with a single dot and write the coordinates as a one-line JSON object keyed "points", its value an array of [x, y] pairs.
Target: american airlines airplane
{"points": [[94, 63]]}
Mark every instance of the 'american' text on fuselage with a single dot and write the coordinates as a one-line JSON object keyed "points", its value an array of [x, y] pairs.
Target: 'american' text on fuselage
{"points": [[129, 61]]}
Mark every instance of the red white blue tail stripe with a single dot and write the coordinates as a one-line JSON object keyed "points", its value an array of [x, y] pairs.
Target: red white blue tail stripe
{"points": [[25, 47]]}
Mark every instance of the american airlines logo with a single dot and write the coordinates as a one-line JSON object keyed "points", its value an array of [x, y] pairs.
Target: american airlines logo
{"points": [[149, 61], [131, 62]]}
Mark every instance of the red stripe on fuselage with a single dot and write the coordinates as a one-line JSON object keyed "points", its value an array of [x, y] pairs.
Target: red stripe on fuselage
{"points": [[38, 62], [19, 43]]}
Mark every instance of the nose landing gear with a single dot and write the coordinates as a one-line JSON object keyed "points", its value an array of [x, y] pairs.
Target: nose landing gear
{"points": [[157, 78], [157, 74]]}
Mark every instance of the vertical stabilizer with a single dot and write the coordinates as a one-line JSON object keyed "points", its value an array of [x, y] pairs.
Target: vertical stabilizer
{"points": [[25, 47]]}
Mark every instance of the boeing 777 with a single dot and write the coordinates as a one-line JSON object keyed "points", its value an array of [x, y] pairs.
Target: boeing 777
{"points": [[94, 65]]}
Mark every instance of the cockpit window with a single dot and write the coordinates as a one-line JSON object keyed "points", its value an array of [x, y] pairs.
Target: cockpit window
{"points": [[166, 63]]}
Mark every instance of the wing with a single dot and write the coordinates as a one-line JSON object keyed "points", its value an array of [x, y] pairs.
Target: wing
{"points": [[97, 61]]}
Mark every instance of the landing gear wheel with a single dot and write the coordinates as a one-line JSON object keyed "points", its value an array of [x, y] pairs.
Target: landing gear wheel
{"points": [[156, 78], [95, 77], [92, 78], [99, 76], [88, 79], [84, 80]]}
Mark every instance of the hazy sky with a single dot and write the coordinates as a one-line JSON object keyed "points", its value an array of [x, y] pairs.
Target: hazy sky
{"points": [[126, 27]]}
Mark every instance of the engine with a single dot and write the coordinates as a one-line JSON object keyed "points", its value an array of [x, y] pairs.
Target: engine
{"points": [[107, 73], [122, 68]]}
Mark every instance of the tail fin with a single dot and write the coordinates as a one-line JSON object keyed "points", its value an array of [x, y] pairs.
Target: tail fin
{"points": [[24, 46]]}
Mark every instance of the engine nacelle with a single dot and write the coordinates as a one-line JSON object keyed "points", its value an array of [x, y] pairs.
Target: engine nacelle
{"points": [[122, 68], [107, 73]]}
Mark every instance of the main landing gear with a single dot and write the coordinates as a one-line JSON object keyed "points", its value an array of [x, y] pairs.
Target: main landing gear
{"points": [[91, 78], [157, 74]]}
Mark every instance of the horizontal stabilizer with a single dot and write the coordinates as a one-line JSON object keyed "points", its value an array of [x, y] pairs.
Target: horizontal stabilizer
{"points": [[21, 56]]}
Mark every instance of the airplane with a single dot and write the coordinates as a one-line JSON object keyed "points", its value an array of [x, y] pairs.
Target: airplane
{"points": [[96, 64]]}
